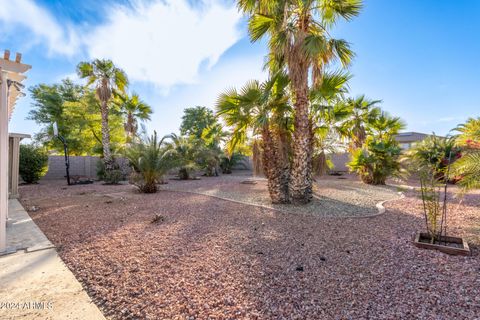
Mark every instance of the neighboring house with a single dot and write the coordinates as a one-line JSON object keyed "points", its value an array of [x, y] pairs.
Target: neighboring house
{"points": [[408, 139]]}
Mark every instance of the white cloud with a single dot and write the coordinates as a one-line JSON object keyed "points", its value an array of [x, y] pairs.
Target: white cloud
{"points": [[165, 42], [59, 39]]}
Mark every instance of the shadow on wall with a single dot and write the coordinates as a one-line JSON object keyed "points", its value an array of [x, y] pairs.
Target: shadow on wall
{"points": [[85, 166]]}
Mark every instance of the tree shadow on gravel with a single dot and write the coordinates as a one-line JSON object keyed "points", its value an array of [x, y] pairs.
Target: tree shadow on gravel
{"points": [[215, 258]]}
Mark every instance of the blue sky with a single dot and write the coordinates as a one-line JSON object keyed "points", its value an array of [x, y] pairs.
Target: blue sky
{"points": [[419, 57]]}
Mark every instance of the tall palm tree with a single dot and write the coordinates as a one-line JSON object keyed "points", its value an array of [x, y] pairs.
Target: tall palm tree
{"points": [[134, 110], [362, 111], [107, 78], [262, 110], [300, 43]]}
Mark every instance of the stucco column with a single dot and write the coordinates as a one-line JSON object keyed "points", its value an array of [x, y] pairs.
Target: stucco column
{"points": [[3, 159], [15, 166]]}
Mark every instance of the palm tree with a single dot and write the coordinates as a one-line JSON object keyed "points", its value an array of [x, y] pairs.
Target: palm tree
{"points": [[363, 112], [262, 110], [134, 110], [468, 166], [150, 160], [107, 79], [300, 43], [384, 125], [186, 152]]}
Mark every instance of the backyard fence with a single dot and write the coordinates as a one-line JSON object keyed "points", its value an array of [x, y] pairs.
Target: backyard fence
{"points": [[85, 166]]}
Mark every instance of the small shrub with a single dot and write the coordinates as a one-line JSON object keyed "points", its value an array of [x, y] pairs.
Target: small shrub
{"points": [[33, 163], [113, 176], [150, 160]]}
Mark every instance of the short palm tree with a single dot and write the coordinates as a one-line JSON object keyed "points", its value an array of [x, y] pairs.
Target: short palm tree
{"points": [[150, 160], [262, 110], [134, 110], [300, 43], [384, 125], [107, 78], [186, 153]]}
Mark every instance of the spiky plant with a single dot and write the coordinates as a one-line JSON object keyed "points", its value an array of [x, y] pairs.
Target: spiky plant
{"points": [[468, 166], [150, 160]]}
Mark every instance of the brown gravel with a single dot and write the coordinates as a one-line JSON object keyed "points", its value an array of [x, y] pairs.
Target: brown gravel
{"points": [[215, 259]]}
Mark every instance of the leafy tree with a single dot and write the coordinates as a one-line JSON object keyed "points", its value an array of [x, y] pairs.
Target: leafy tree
{"points": [[151, 160], [133, 110], [196, 120], [300, 43], [76, 111], [106, 78], [33, 163]]}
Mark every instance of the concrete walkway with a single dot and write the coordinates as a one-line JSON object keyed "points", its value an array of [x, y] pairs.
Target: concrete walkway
{"points": [[34, 281]]}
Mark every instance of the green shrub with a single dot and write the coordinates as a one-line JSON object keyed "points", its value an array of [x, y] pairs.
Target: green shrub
{"points": [[376, 161], [113, 176], [33, 163], [433, 153], [150, 160]]}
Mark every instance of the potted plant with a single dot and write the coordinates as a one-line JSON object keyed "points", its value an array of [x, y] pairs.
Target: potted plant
{"points": [[434, 197]]}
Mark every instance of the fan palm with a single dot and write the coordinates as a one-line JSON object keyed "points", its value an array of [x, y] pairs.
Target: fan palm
{"points": [[299, 42], [107, 78], [384, 125], [133, 110], [262, 110], [362, 111]]}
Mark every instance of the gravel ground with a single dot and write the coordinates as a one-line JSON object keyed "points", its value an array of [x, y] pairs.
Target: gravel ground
{"points": [[335, 197], [216, 259]]}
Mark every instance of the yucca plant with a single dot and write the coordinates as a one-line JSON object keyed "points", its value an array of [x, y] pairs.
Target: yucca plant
{"points": [[150, 160]]}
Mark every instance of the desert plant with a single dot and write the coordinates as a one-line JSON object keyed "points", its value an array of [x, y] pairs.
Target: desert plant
{"points": [[376, 161], [150, 160], [433, 153], [186, 153], [33, 163], [229, 162]]}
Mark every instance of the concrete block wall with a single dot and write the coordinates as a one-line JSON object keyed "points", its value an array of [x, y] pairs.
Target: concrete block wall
{"points": [[340, 161], [79, 166]]}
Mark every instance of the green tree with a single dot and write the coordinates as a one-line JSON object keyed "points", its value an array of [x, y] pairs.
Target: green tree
{"points": [[133, 110], [106, 78], [33, 163], [299, 41], [196, 120]]}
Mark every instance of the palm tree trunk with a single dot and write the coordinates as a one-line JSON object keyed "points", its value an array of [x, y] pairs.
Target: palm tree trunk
{"points": [[301, 174], [277, 176], [107, 155]]}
